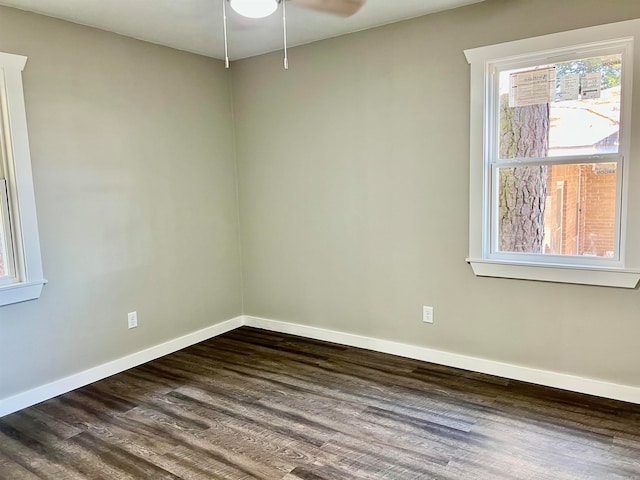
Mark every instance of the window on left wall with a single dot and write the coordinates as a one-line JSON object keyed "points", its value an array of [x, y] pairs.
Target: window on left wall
{"points": [[6, 244], [21, 276]]}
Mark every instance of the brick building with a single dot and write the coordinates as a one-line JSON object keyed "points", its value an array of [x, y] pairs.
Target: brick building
{"points": [[581, 199]]}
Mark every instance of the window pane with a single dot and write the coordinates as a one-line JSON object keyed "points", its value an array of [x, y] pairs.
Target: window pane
{"points": [[3, 272], [5, 269], [558, 209], [568, 108]]}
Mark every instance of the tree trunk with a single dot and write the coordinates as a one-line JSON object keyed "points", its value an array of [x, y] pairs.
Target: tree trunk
{"points": [[523, 190]]}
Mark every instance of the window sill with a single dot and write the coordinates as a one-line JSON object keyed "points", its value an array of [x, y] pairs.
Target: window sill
{"points": [[606, 277], [21, 292]]}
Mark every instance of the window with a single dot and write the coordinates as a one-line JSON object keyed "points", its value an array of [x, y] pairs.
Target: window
{"points": [[550, 157], [21, 276], [6, 252]]}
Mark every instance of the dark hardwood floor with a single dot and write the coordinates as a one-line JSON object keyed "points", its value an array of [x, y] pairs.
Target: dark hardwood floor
{"points": [[254, 404]]}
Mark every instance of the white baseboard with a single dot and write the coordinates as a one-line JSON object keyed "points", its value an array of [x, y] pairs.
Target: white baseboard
{"points": [[564, 381], [58, 387]]}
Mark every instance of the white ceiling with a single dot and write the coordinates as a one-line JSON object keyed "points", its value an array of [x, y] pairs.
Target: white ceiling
{"points": [[196, 25]]}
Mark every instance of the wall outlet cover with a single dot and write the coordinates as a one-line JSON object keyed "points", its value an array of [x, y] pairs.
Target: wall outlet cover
{"points": [[427, 314], [132, 319]]}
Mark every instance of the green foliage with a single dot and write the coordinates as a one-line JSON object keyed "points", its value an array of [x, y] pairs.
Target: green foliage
{"points": [[609, 66]]}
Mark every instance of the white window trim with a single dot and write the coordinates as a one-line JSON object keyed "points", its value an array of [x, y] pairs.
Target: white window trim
{"points": [[29, 278], [620, 275], [9, 264]]}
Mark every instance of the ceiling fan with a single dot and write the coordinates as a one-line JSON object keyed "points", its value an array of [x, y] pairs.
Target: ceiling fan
{"points": [[264, 8]]}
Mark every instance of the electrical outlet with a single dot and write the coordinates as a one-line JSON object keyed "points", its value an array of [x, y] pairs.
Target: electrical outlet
{"points": [[132, 319], [427, 314]]}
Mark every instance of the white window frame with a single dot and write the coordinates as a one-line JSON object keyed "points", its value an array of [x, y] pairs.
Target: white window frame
{"points": [[485, 61], [6, 232], [25, 261]]}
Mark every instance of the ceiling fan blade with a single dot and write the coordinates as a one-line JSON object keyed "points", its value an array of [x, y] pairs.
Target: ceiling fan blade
{"points": [[343, 8]]}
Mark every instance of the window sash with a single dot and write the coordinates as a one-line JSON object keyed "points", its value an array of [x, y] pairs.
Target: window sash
{"points": [[623, 47], [493, 162], [6, 237], [567, 160], [6, 230], [493, 252]]}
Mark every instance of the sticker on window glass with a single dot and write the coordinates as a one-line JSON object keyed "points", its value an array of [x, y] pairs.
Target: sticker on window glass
{"points": [[569, 88], [591, 84], [532, 87]]}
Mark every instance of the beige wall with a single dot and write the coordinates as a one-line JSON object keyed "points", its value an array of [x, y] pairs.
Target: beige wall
{"points": [[354, 174], [134, 174]]}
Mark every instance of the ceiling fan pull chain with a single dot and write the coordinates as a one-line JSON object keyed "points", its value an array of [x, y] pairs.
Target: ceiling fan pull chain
{"points": [[284, 31], [224, 28]]}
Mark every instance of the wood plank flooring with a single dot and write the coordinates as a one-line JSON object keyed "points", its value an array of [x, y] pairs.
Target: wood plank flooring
{"points": [[254, 404]]}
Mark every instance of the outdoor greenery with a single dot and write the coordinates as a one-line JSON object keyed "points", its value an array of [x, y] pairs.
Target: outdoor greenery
{"points": [[610, 66]]}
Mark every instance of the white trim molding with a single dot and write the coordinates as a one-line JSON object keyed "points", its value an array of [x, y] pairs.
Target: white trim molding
{"points": [[77, 380], [625, 393], [555, 273], [487, 63], [15, 156]]}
